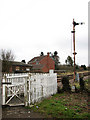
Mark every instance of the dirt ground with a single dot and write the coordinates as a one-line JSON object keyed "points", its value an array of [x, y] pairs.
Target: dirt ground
{"points": [[19, 112]]}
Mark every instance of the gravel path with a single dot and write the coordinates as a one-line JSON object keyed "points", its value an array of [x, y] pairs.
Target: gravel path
{"points": [[19, 112]]}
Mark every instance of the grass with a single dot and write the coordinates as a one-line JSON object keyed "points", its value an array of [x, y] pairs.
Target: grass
{"points": [[64, 105]]}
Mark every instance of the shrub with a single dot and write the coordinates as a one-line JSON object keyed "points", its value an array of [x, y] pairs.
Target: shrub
{"points": [[65, 82], [82, 84]]}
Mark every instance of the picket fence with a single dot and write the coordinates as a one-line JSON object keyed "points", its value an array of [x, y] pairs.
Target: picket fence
{"points": [[34, 86]]}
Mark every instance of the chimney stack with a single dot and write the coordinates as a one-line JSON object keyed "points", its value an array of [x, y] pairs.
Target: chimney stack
{"points": [[47, 54]]}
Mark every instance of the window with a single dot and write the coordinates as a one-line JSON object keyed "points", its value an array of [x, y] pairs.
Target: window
{"points": [[27, 69], [17, 68]]}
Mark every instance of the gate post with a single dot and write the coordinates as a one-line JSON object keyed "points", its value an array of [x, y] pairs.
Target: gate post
{"points": [[29, 88], [25, 92], [0, 89], [3, 93]]}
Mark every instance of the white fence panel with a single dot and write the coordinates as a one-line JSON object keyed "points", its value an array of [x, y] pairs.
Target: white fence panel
{"points": [[41, 86]]}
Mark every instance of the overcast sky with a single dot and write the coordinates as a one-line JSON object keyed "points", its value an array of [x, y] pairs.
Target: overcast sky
{"points": [[28, 27]]}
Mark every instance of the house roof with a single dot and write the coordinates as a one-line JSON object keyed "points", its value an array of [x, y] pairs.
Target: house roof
{"points": [[37, 67], [36, 59], [20, 64]]}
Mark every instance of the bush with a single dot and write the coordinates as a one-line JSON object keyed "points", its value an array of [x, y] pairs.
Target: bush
{"points": [[82, 84], [84, 67], [65, 82]]}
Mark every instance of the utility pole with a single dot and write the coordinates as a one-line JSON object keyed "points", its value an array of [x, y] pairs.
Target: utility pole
{"points": [[74, 53]]}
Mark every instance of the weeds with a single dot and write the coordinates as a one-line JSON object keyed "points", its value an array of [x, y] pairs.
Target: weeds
{"points": [[64, 105]]}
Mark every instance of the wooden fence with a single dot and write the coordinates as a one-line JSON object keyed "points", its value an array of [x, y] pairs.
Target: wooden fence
{"points": [[70, 75], [34, 86], [41, 86], [61, 74]]}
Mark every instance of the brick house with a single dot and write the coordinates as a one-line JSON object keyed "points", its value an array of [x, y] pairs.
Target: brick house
{"points": [[42, 63]]}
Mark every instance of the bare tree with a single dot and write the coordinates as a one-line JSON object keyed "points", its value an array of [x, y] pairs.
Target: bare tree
{"points": [[6, 56]]}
